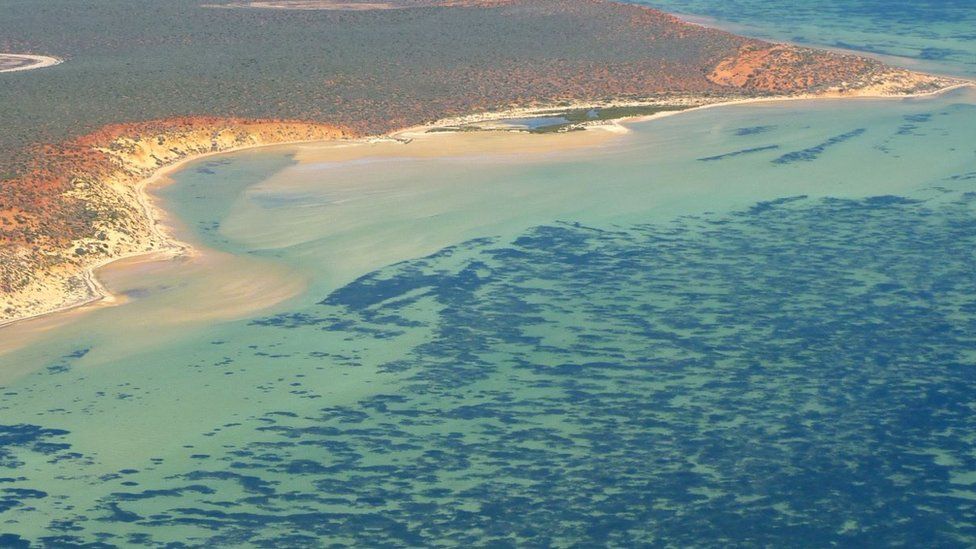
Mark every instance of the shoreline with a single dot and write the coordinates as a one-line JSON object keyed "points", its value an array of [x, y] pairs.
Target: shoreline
{"points": [[171, 247], [809, 97], [617, 124]]}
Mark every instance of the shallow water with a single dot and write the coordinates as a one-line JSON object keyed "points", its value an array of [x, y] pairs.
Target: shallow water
{"points": [[746, 325]]}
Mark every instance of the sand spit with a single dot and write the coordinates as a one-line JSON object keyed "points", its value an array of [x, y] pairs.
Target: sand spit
{"points": [[16, 62], [883, 89]]}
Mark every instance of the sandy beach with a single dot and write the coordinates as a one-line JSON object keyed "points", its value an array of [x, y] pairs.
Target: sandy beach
{"points": [[415, 142]]}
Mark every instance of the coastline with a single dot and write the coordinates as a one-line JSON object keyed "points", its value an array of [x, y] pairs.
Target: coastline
{"points": [[616, 124], [807, 97], [170, 247]]}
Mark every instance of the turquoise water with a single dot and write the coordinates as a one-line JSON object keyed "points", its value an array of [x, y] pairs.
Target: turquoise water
{"points": [[743, 326], [931, 35]]}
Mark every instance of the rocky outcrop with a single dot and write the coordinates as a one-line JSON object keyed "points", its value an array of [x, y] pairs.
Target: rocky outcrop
{"points": [[785, 69]]}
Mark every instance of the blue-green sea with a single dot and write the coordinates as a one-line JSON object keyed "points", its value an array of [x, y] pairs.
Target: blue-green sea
{"points": [[742, 326], [931, 35]]}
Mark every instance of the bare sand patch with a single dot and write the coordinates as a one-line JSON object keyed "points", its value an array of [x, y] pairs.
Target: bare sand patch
{"points": [[335, 5], [203, 287], [420, 143], [13, 62]]}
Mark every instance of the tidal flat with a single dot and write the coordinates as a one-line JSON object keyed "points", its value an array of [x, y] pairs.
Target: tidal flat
{"points": [[499, 342]]}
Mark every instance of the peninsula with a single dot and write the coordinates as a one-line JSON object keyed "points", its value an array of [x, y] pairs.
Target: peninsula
{"points": [[82, 141]]}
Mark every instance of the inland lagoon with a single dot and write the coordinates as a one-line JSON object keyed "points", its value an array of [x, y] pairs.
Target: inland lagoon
{"points": [[737, 326]]}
